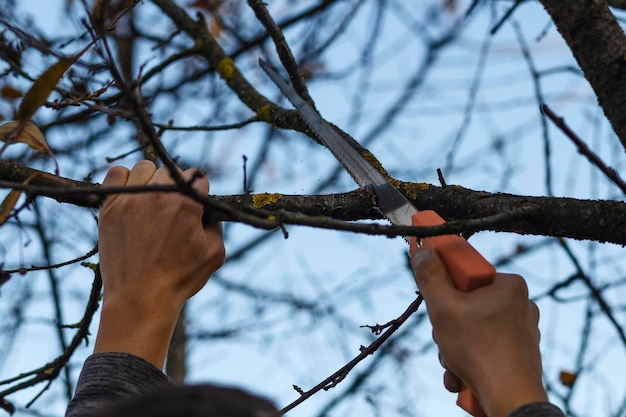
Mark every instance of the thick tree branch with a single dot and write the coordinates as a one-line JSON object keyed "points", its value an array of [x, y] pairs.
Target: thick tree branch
{"points": [[599, 45], [598, 220]]}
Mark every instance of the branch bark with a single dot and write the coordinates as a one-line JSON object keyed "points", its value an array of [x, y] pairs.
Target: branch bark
{"points": [[597, 220], [599, 45]]}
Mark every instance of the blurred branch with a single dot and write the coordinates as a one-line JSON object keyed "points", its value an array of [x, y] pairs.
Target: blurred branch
{"points": [[51, 370], [282, 48]]}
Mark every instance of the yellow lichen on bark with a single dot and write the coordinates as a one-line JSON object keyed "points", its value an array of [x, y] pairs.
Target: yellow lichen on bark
{"points": [[412, 189], [261, 200], [226, 68], [371, 159], [264, 113]]}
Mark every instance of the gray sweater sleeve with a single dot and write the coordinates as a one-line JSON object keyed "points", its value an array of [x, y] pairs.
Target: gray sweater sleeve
{"points": [[108, 377], [540, 409]]}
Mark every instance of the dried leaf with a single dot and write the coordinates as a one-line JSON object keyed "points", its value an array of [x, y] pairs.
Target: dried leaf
{"points": [[567, 378], [10, 93], [29, 134], [38, 93], [11, 200], [215, 28]]}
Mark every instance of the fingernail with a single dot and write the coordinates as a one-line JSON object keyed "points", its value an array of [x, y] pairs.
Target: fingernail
{"points": [[420, 255], [455, 386]]}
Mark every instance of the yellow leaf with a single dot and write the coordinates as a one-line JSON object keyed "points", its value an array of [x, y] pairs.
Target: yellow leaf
{"points": [[38, 93], [7, 205], [11, 200], [27, 133]]}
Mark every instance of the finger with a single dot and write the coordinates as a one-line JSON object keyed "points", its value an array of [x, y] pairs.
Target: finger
{"points": [[198, 179], [534, 312], [116, 177], [431, 275], [514, 283], [451, 381], [161, 177], [141, 173]]}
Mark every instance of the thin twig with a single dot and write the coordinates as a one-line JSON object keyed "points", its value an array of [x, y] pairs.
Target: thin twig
{"points": [[282, 48], [340, 375], [23, 270], [442, 180], [51, 370], [583, 149]]}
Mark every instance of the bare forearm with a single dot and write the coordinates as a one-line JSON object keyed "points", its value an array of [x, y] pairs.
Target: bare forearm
{"points": [[143, 331]]}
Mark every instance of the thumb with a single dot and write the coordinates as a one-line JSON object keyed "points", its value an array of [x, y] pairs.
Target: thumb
{"points": [[431, 275]]}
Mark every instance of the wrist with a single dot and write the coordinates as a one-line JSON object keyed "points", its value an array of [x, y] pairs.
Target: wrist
{"points": [[138, 328], [505, 395]]}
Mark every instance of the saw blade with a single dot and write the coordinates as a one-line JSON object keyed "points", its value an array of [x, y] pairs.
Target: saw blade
{"points": [[396, 207]]}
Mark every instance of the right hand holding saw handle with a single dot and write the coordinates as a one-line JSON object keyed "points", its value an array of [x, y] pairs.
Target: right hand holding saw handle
{"points": [[483, 322]]}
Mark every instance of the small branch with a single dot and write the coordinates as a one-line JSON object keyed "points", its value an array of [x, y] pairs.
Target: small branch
{"points": [[583, 149], [282, 48], [51, 370], [451, 227], [505, 17], [23, 270], [245, 175], [595, 292], [216, 128], [442, 180], [340, 375]]}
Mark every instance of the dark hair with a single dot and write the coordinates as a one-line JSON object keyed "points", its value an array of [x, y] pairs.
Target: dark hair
{"points": [[192, 401]]}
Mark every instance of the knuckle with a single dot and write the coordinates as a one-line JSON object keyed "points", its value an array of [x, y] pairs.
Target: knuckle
{"points": [[517, 284]]}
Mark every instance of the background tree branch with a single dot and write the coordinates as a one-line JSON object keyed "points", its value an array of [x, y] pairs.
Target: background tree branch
{"points": [[420, 85]]}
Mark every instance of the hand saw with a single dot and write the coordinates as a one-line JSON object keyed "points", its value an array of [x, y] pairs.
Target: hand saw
{"points": [[468, 269]]}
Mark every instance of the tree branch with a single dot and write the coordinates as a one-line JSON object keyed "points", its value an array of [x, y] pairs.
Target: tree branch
{"points": [[598, 220], [599, 45]]}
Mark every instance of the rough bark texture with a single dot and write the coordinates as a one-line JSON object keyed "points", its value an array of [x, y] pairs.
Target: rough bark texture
{"points": [[598, 220], [599, 45]]}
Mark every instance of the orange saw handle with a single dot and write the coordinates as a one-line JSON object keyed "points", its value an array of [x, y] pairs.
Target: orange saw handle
{"points": [[468, 269]]}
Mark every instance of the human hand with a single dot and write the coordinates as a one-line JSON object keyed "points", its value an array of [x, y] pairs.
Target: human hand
{"points": [[488, 337], [154, 255]]}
